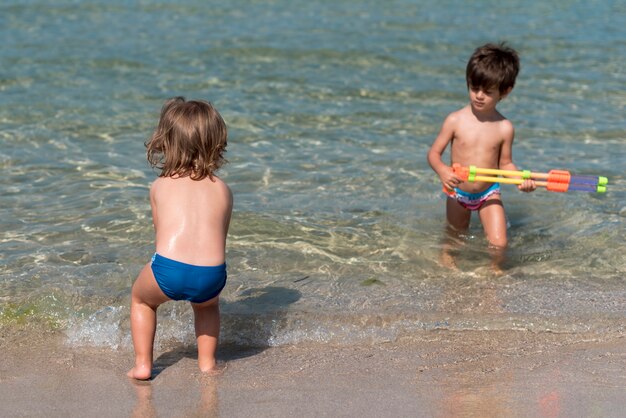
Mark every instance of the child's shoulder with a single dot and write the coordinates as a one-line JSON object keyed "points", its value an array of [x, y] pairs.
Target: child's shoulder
{"points": [[186, 181], [223, 187], [457, 116], [181, 186], [213, 185], [462, 113], [505, 124], [157, 183]]}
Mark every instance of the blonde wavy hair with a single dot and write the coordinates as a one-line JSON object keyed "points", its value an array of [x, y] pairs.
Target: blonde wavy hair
{"points": [[190, 140]]}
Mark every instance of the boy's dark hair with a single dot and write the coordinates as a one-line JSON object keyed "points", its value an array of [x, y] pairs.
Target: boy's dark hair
{"points": [[190, 140], [493, 66]]}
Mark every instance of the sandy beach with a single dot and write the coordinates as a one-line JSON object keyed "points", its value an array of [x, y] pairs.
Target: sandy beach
{"points": [[435, 374]]}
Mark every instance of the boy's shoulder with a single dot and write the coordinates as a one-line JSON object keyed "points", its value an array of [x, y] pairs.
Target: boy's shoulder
{"points": [[458, 115], [502, 121], [466, 113], [459, 112], [506, 126]]}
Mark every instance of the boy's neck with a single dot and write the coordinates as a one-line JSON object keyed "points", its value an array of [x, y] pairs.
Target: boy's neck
{"points": [[485, 115]]}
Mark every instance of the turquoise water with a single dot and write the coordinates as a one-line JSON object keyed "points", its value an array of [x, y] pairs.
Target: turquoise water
{"points": [[331, 108]]}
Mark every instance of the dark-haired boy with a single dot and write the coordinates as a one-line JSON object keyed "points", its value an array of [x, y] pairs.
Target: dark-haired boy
{"points": [[479, 135]]}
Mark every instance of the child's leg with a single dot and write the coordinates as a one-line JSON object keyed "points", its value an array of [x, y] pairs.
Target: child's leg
{"points": [[207, 324], [458, 221], [145, 298], [493, 218], [458, 216]]}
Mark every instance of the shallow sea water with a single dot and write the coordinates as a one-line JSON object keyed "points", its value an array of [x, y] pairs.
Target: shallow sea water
{"points": [[331, 108]]}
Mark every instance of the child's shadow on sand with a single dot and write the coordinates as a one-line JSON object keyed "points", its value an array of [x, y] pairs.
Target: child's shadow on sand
{"points": [[247, 326]]}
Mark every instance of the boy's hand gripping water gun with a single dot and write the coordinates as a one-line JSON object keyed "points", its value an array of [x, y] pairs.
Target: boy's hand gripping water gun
{"points": [[554, 181]]}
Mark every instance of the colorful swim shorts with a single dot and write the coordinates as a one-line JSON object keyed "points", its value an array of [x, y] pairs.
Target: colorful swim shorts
{"points": [[473, 201]]}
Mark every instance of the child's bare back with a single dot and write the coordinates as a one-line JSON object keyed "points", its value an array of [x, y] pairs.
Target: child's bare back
{"points": [[191, 219]]}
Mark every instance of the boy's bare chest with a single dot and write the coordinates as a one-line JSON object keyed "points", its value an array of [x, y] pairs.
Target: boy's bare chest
{"points": [[476, 143], [487, 137]]}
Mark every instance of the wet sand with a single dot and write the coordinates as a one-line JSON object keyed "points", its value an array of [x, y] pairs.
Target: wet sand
{"points": [[434, 374]]}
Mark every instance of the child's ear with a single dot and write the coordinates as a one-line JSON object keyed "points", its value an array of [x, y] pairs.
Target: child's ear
{"points": [[506, 93]]}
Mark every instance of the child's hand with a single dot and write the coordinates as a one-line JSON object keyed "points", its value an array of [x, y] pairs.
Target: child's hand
{"points": [[527, 186], [449, 178]]}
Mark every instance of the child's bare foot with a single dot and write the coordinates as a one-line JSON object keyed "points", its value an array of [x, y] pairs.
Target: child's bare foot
{"points": [[497, 270], [216, 370], [206, 365], [494, 270], [447, 260], [140, 373]]}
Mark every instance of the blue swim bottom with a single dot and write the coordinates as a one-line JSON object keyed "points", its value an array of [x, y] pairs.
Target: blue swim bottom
{"points": [[181, 281]]}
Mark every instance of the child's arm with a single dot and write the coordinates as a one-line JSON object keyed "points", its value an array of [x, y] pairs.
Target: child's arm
{"points": [[506, 157], [445, 172], [230, 209], [153, 206]]}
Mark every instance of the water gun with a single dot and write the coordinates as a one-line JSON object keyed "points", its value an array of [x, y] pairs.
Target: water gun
{"points": [[554, 181]]}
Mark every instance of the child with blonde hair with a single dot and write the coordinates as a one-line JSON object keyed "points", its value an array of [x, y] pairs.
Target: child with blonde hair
{"points": [[191, 211]]}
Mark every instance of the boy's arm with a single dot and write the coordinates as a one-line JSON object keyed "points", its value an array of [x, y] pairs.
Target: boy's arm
{"points": [[506, 157], [444, 171], [506, 149]]}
